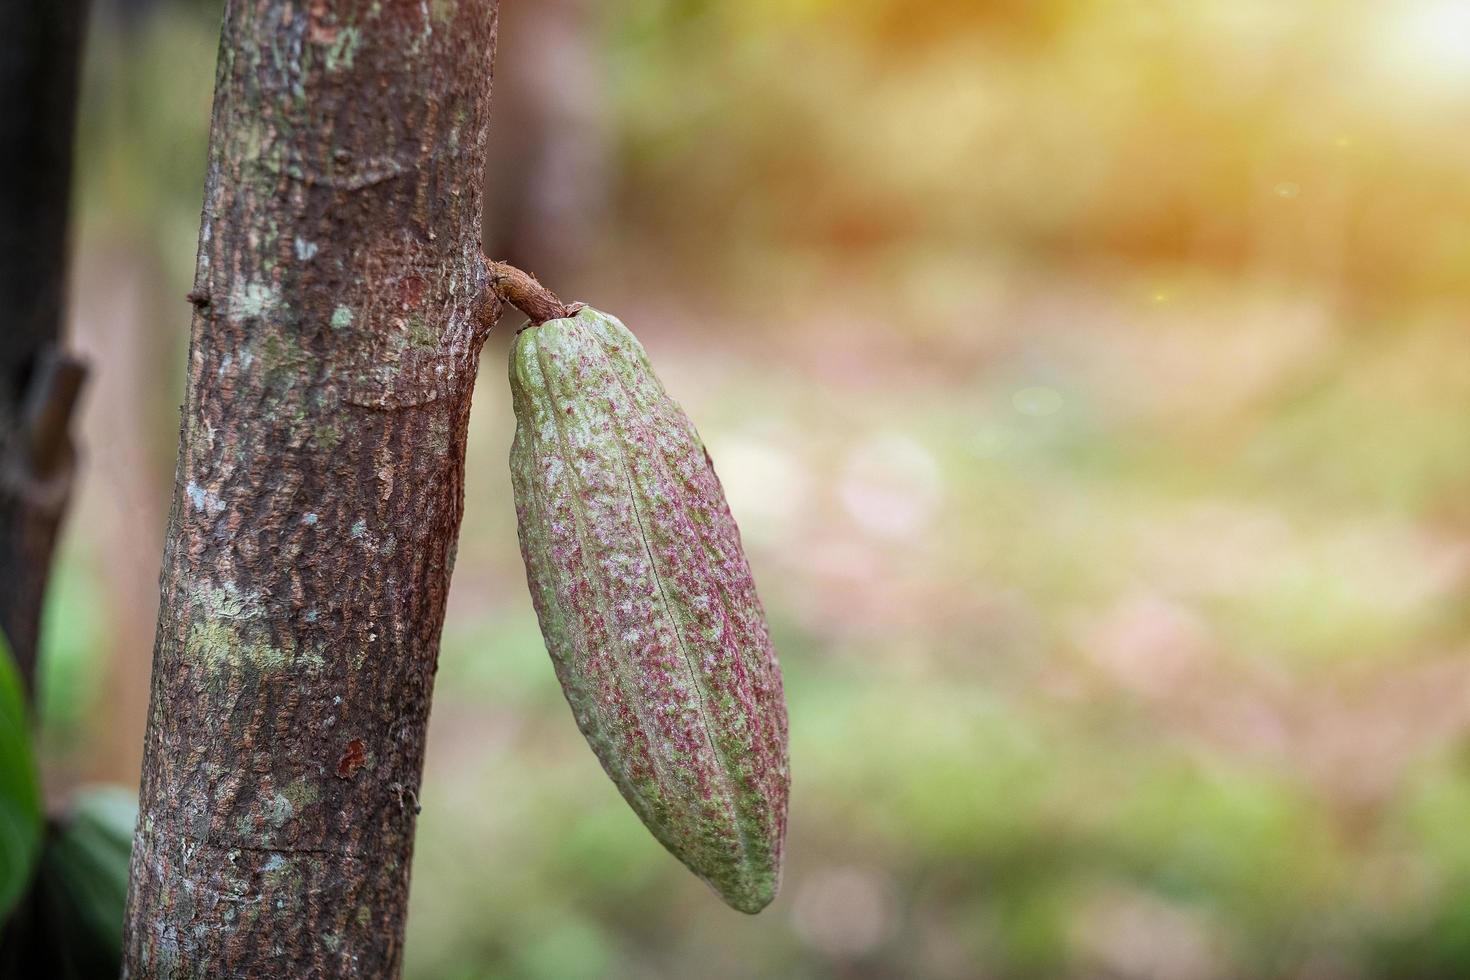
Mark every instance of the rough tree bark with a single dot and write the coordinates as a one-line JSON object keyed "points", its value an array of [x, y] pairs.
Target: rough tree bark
{"points": [[340, 307], [40, 51]]}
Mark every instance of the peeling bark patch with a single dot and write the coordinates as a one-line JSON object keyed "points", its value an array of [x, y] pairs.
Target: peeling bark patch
{"points": [[411, 290], [204, 500], [352, 760]]}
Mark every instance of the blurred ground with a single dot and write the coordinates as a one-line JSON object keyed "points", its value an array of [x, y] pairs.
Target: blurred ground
{"points": [[1092, 383]]}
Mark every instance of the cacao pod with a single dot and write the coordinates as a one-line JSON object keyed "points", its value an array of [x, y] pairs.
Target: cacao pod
{"points": [[647, 604]]}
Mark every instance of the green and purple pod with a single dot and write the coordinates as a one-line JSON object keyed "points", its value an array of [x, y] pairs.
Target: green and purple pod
{"points": [[647, 603]]}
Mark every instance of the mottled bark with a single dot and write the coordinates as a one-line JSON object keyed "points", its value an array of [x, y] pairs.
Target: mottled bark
{"points": [[340, 306], [40, 49]]}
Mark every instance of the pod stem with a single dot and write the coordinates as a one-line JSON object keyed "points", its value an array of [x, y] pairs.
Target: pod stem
{"points": [[521, 290]]}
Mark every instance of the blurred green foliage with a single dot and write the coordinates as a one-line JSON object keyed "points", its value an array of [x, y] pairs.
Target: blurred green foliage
{"points": [[1091, 382], [75, 929], [20, 794]]}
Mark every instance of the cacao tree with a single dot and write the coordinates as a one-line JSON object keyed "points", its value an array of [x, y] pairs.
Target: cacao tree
{"points": [[340, 305], [341, 299]]}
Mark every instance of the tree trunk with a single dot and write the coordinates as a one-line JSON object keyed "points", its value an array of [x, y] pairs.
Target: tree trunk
{"points": [[40, 50], [340, 308]]}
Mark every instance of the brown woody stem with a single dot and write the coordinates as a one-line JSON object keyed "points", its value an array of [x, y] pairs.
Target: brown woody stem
{"points": [[48, 411], [521, 290]]}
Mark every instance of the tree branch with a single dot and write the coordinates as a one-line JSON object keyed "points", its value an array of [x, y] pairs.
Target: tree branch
{"points": [[49, 404], [36, 467], [523, 291]]}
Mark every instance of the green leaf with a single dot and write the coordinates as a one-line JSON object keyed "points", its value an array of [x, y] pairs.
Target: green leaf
{"points": [[20, 791], [85, 878]]}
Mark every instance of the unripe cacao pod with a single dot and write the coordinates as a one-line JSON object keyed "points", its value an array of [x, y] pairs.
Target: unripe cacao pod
{"points": [[647, 604]]}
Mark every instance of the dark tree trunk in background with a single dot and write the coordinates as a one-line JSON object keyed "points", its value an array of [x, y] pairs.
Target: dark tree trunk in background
{"points": [[40, 49], [40, 55], [339, 314], [550, 168]]}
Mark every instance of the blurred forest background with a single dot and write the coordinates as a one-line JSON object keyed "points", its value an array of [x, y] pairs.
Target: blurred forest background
{"points": [[1091, 380]]}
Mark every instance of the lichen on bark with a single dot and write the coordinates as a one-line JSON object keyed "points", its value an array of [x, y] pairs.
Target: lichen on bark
{"points": [[339, 311]]}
